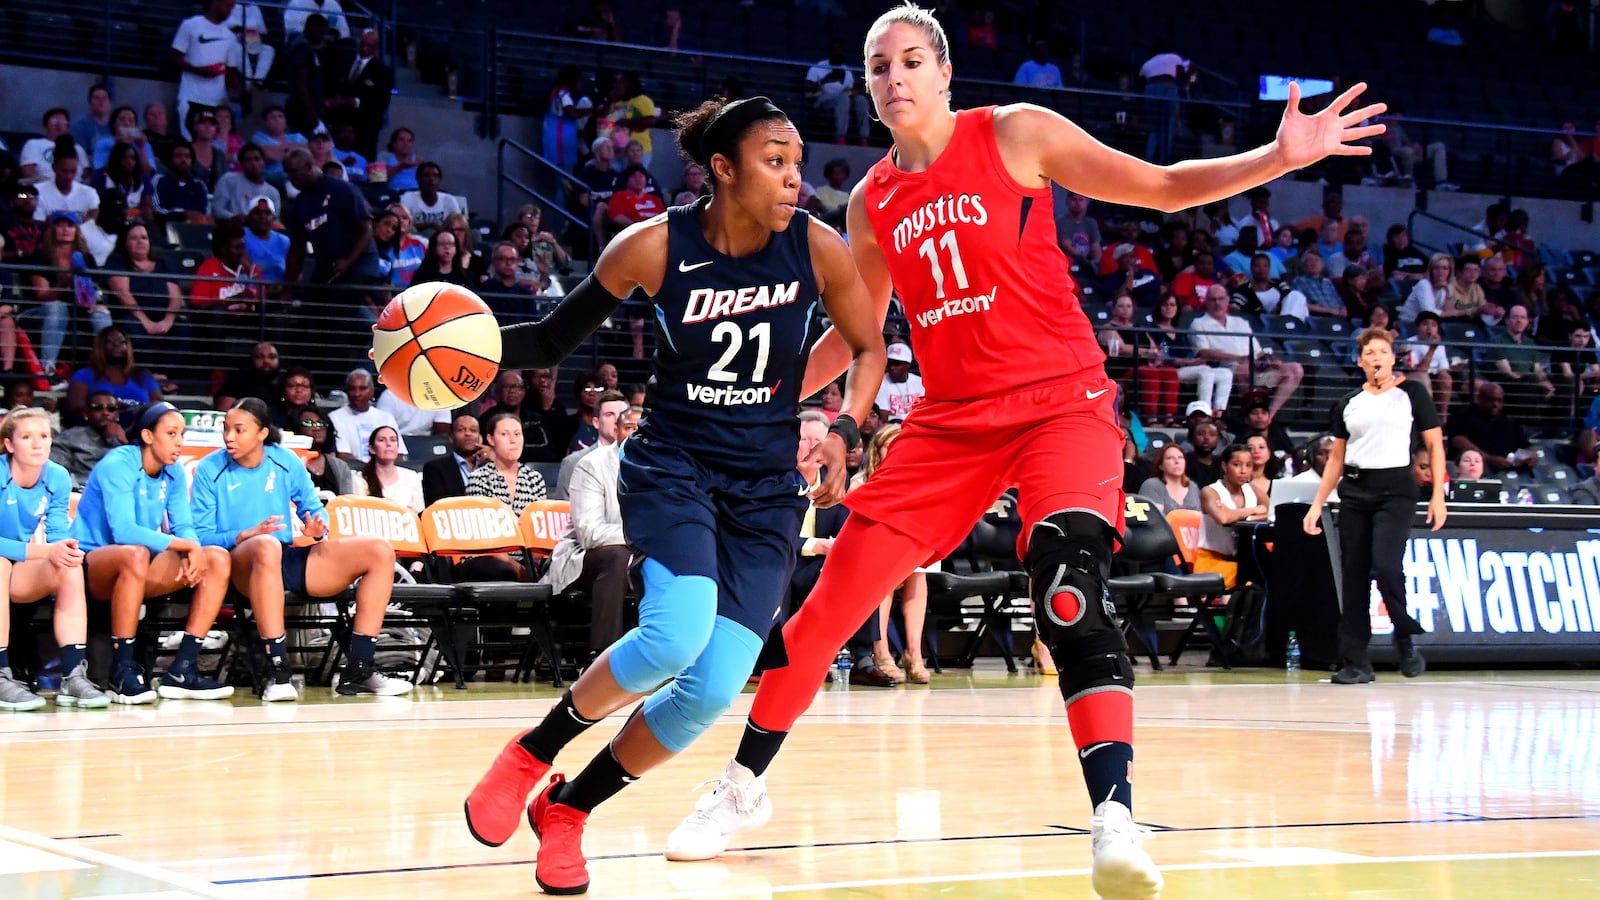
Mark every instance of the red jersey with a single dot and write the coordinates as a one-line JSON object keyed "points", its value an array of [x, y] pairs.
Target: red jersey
{"points": [[974, 259]]}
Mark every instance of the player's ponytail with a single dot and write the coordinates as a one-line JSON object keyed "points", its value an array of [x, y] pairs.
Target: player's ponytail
{"points": [[257, 409], [717, 125]]}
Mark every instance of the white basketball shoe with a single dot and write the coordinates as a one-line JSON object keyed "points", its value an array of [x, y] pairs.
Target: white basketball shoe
{"points": [[1122, 868], [737, 804]]}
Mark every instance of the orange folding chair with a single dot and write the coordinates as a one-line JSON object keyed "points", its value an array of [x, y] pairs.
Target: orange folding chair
{"points": [[455, 528], [1186, 523], [388, 520], [543, 523]]}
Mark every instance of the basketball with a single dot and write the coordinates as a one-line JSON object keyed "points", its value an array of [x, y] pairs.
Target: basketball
{"points": [[437, 346]]}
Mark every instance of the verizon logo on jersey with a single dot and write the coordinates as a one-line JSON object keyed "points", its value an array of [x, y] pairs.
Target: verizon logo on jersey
{"points": [[947, 210], [957, 306], [706, 304], [726, 396]]}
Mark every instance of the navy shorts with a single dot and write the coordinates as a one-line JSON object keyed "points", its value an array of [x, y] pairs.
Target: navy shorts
{"points": [[742, 531], [294, 568]]}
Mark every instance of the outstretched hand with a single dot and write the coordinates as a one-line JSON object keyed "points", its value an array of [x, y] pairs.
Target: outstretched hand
{"points": [[1305, 139]]}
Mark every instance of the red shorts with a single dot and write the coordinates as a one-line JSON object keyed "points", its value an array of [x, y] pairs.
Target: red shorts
{"points": [[1059, 445]]}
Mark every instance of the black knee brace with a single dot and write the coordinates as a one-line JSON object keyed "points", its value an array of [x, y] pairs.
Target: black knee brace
{"points": [[1069, 562]]}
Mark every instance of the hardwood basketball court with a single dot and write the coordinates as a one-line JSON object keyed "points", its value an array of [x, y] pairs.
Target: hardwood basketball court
{"points": [[1468, 785]]}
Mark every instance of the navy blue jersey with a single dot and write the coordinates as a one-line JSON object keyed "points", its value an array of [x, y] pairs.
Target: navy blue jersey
{"points": [[732, 335]]}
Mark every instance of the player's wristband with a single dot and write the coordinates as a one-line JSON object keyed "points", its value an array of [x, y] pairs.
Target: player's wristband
{"points": [[847, 430]]}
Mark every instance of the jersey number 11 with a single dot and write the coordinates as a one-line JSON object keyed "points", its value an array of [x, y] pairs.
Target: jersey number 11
{"points": [[928, 252]]}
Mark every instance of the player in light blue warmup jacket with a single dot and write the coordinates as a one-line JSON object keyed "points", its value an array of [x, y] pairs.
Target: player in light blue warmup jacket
{"points": [[135, 526], [38, 559], [242, 497]]}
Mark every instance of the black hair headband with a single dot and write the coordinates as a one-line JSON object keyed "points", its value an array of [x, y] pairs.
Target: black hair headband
{"points": [[731, 121]]}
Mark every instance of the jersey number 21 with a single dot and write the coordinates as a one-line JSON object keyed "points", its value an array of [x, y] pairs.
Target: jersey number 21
{"points": [[734, 337]]}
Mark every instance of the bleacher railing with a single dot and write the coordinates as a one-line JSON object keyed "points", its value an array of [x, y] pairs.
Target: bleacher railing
{"points": [[327, 329], [1326, 350], [554, 186], [525, 64]]}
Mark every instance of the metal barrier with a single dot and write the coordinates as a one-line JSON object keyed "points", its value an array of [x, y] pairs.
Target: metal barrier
{"points": [[547, 173], [525, 64], [326, 330], [1548, 253], [1325, 350]]}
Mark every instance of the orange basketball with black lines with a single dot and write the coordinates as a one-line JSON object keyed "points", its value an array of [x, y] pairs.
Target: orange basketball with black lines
{"points": [[437, 346]]}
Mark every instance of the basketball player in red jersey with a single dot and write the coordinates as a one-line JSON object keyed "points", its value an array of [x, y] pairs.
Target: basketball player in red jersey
{"points": [[957, 220]]}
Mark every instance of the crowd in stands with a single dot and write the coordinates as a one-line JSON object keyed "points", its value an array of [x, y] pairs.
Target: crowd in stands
{"points": [[193, 239]]}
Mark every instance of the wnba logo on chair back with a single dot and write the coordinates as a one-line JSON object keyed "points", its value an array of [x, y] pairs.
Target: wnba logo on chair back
{"points": [[375, 517], [544, 522], [459, 519]]}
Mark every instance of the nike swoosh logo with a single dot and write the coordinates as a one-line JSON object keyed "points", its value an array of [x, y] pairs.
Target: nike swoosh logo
{"points": [[1095, 394], [206, 40], [887, 197], [684, 267], [232, 486], [1084, 753]]}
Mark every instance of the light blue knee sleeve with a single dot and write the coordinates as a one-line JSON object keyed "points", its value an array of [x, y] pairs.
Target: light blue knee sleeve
{"points": [[681, 711], [675, 620]]}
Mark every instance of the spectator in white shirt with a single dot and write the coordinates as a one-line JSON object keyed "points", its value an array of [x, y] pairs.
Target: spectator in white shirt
{"points": [[427, 206], [200, 52], [1162, 74], [414, 422], [39, 154], [358, 418], [900, 389], [294, 16], [831, 85], [1229, 340], [1428, 361], [64, 192], [1431, 293]]}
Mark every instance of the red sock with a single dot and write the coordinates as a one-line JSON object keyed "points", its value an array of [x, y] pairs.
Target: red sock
{"points": [[867, 561]]}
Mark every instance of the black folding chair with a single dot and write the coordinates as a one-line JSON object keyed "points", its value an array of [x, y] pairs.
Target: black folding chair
{"points": [[1145, 585]]}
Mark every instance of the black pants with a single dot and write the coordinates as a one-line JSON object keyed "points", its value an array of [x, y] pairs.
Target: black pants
{"points": [[605, 578], [1375, 511]]}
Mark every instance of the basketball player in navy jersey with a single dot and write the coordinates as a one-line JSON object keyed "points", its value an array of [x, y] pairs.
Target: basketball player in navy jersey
{"points": [[709, 491]]}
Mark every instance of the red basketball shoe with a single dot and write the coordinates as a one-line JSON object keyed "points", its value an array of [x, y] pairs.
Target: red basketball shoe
{"points": [[560, 867], [494, 807]]}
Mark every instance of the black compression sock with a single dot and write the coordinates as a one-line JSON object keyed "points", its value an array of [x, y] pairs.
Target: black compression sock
{"points": [[758, 747], [560, 726], [1105, 772], [599, 781]]}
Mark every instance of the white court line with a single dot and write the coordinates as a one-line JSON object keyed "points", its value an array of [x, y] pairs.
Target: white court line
{"points": [[746, 890], [193, 887]]}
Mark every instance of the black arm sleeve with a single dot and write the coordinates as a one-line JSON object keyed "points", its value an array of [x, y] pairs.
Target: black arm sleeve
{"points": [[538, 345]]}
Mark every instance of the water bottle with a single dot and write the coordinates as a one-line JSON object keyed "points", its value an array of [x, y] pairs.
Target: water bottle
{"points": [[841, 669], [1292, 655]]}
